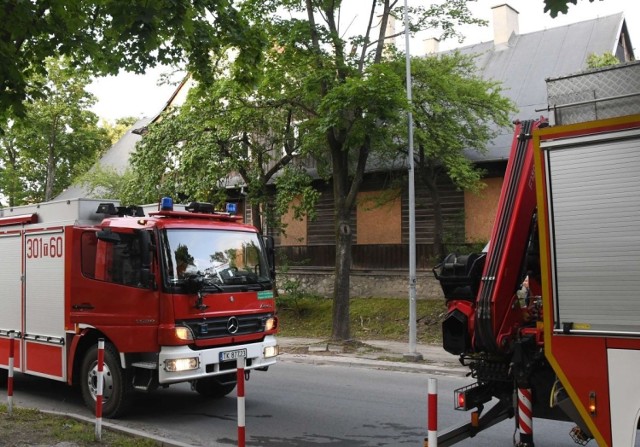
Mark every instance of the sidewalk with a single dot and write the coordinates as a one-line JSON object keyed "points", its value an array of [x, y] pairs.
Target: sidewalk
{"points": [[379, 354]]}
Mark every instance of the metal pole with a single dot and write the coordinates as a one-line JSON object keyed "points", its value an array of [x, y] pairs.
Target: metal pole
{"points": [[413, 355]]}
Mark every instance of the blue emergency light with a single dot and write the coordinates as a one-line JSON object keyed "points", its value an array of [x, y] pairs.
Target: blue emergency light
{"points": [[232, 208], [166, 204]]}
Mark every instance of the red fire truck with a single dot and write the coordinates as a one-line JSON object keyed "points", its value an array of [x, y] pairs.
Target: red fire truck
{"points": [[548, 318], [178, 295]]}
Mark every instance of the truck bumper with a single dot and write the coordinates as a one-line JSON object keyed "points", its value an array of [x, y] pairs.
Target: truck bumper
{"points": [[209, 362]]}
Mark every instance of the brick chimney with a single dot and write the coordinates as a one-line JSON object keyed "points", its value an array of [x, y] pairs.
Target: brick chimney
{"points": [[505, 23], [431, 45]]}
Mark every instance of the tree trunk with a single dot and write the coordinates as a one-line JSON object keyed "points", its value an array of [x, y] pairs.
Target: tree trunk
{"points": [[256, 218], [343, 198], [341, 325]]}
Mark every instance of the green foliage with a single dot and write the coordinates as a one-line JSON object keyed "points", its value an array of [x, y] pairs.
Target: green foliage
{"points": [[454, 110], [371, 318], [116, 130], [106, 182], [314, 95], [553, 7], [603, 60], [56, 139], [230, 135], [110, 35]]}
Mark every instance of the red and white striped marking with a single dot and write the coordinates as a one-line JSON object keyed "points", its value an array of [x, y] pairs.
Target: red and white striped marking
{"points": [[100, 389], [525, 416], [240, 393], [432, 412], [12, 342]]}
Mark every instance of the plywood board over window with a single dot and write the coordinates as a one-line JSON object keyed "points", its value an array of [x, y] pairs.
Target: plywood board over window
{"points": [[480, 210], [295, 231], [379, 217]]}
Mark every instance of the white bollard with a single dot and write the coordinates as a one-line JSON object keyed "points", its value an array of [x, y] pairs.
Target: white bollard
{"points": [[432, 422], [12, 342], [100, 389], [240, 392]]}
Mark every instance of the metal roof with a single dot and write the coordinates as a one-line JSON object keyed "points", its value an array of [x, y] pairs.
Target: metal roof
{"points": [[117, 157], [527, 60]]}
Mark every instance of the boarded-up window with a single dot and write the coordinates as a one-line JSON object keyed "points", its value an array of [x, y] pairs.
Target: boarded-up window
{"points": [[295, 230], [379, 218], [480, 210]]}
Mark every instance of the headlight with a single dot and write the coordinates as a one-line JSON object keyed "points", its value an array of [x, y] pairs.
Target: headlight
{"points": [[270, 324], [183, 333], [177, 365], [270, 351]]}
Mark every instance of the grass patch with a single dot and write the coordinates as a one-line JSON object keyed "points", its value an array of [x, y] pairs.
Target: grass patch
{"points": [[31, 427], [371, 318]]}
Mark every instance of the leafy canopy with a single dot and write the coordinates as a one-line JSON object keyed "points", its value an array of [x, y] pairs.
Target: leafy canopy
{"points": [[553, 7], [104, 36], [57, 137]]}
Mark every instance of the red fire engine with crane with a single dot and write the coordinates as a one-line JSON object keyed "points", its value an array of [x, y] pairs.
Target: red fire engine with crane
{"points": [[178, 295], [567, 347]]}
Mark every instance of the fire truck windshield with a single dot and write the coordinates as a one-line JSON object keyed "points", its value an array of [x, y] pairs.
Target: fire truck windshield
{"points": [[218, 258]]}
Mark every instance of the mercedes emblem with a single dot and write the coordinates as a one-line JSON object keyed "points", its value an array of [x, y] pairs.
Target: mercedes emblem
{"points": [[233, 325]]}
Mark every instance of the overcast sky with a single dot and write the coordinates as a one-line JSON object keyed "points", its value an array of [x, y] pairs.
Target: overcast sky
{"points": [[140, 96]]}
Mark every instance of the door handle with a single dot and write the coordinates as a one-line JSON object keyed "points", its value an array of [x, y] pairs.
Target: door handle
{"points": [[82, 306]]}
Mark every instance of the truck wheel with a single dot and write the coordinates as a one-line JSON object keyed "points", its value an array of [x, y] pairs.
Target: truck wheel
{"points": [[214, 387], [117, 392]]}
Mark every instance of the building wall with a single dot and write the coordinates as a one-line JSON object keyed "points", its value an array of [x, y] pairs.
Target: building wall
{"points": [[480, 210], [378, 284]]}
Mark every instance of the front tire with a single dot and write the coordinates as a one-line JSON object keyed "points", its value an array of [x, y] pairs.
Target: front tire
{"points": [[215, 387], [117, 390]]}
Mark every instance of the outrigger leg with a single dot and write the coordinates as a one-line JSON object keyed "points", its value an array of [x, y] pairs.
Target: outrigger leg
{"points": [[496, 414]]}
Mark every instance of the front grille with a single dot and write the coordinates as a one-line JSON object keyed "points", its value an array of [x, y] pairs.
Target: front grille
{"points": [[206, 328]]}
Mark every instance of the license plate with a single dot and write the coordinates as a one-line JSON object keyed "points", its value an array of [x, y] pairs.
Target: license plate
{"points": [[233, 355]]}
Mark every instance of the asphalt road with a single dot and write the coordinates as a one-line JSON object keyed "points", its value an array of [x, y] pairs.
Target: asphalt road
{"points": [[298, 404]]}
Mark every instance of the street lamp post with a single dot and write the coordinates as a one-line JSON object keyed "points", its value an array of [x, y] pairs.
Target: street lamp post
{"points": [[412, 354]]}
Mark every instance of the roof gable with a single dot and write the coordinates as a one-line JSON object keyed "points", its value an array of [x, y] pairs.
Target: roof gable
{"points": [[529, 59]]}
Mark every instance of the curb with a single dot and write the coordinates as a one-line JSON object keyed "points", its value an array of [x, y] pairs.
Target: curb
{"points": [[371, 363]]}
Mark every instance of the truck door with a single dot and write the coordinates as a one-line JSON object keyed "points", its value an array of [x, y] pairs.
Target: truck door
{"points": [[11, 297], [114, 293], [44, 306]]}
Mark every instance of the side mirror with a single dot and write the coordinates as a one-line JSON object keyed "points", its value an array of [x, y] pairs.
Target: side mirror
{"points": [[146, 278], [107, 235], [269, 245]]}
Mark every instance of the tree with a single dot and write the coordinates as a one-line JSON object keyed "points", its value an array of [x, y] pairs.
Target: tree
{"points": [[343, 93], [116, 130], [454, 110], [354, 101], [43, 150], [603, 60], [227, 135], [108, 35], [553, 7]]}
